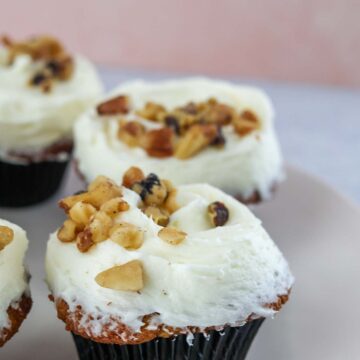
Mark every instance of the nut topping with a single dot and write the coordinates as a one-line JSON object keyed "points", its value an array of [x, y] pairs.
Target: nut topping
{"points": [[81, 213], [93, 214], [151, 190], [131, 133], [6, 236], [100, 226], [246, 123], [132, 176], [172, 235], [68, 232], [159, 142], [159, 216], [196, 139], [218, 213], [127, 235], [152, 111], [114, 206], [126, 277], [55, 63], [114, 106]]}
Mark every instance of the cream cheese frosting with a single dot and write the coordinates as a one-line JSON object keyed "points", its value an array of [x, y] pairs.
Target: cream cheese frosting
{"points": [[245, 165], [13, 277], [30, 119], [216, 276]]}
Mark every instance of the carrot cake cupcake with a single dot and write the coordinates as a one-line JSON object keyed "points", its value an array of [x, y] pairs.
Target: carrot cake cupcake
{"points": [[186, 130], [148, 268], [43, 89], [15, 301]]}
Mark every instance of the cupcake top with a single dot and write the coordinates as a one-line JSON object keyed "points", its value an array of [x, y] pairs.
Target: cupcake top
{"points": [[151, 257], [204, 127], [43, 88], [13, 278]]}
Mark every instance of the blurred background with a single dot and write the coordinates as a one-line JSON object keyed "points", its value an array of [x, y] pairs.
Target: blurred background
{"points": [[312, 41]]}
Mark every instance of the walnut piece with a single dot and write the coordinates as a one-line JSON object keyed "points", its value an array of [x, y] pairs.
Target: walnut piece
{"points": [[159, 142], [81, 213], [68, 231], [6, 236], [84, 240], [152, 111], [172, 235], [196, 139], [126, 277], [218, 213], [114, 206], [117, 105], [246, 123], [99, 227], [159, 216], [131, 133], [127, 235], [132, 176], [151, 190]]}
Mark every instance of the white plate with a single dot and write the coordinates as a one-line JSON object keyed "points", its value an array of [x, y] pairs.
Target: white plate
{"points": [[317, 229]]}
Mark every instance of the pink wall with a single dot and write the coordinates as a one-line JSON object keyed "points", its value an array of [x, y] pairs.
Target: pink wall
{"points": [[293, 40]]}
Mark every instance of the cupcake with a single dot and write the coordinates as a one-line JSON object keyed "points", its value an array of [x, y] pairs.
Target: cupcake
{"points": [[15, 301], [153, 271], [188, 131], [43, 90]]}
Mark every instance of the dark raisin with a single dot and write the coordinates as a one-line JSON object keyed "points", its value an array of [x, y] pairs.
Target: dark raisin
{"points": [[173, 123], [38, 79]]}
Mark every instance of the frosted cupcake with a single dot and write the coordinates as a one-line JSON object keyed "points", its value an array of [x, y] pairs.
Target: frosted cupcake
{"points": [[149, 269], [43, 89], [15, 301], [188, 131]]}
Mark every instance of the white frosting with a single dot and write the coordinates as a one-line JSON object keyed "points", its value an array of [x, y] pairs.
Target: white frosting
{"points": [[31, 119], [13, 282], [244, 165], [216, 276]]}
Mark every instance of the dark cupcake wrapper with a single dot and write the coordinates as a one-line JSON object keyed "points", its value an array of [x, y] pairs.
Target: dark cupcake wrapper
{"points": [[232, 343], [28, 184]]}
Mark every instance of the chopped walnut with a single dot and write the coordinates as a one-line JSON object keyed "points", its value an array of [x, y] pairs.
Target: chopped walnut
{"points": [[84, 240], [114, 206], [114, 106], [131, 133], [100, 191], [159, 142], [127, 235], [68, 231], [152, 111], [126, 277], [246, 123], [100, 226], [159, 216], [218, 213], [55, 63], [170, 203], [81, 213], [132, 176], [172, 235], [6, 236], [151, 190], [197, 138]]}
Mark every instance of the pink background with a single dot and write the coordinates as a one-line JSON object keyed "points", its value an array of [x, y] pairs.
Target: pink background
{"points": [[314, 41]]}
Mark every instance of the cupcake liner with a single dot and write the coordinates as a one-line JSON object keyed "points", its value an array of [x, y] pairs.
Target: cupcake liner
{"points": [[232, 343], [27, 184]]}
